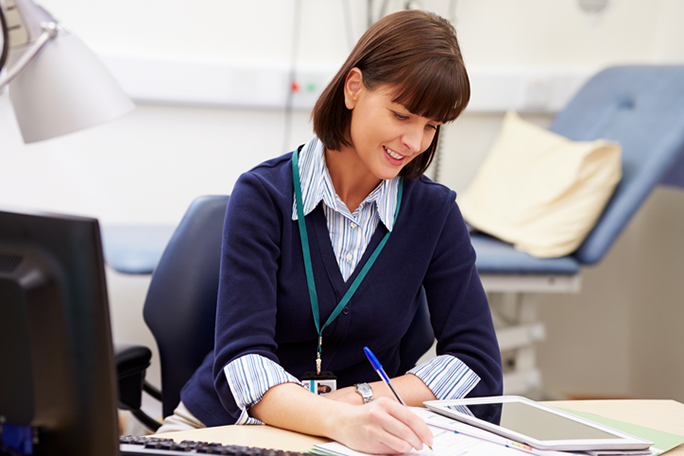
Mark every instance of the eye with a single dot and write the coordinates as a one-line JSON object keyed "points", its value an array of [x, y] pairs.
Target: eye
{"points": [[400, 116], [432, 127]]}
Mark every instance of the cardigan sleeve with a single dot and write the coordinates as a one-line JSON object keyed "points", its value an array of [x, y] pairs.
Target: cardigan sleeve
{"points": [[459, 310], [246, 304]]}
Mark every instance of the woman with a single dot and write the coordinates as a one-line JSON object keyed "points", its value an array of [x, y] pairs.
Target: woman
{"points": [[355, 189]]}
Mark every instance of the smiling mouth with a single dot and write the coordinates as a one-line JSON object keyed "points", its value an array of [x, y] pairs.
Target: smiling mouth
{"points": [[393, 154]]}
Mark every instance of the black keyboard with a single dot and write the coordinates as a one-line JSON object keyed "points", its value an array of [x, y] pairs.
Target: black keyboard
{"points": [[146, 446]]}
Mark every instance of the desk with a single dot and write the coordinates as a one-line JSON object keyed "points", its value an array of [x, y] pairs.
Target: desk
{"points": [[663, 415]]}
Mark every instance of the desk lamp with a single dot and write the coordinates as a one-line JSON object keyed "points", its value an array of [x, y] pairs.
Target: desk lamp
{"points": [[56, 84]]}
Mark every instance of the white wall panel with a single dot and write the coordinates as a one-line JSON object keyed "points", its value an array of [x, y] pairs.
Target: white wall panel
{"points": [[211, 76]]}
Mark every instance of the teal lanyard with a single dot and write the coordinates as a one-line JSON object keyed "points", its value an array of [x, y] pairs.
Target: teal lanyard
{"points": [[307, 260]]}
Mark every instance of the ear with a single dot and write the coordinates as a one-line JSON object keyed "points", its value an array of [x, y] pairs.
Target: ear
{"points": [[352, 86]]}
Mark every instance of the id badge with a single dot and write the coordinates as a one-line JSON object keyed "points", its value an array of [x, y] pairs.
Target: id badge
{"points": [[321, 384]]}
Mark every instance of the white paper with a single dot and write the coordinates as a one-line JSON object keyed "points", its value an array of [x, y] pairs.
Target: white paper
{"points": [[453, 438], [445, 443]]}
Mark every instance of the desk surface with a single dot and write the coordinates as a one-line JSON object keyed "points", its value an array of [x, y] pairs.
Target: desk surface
{"points": [[663, 415]]}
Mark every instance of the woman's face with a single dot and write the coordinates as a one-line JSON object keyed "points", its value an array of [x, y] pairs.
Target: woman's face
{"points": [[385, 135]]}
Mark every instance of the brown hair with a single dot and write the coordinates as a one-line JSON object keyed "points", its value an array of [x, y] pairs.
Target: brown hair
{"points": [[415, 52]]}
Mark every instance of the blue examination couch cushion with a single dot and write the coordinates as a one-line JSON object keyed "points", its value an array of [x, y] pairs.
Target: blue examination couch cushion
{"points": [[498, 257]]}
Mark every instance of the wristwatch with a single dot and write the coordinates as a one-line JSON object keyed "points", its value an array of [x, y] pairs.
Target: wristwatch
{"points": [[366, 392]]}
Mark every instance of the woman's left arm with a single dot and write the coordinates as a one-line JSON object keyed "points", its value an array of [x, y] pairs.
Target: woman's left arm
{"points": [[469, 361], [460, 315], [442, 377], [411, 389]]}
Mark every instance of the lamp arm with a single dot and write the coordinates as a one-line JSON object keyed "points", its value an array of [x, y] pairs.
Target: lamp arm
{"points": [[50, 31]]}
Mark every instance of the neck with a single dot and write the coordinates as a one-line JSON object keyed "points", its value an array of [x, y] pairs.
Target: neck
{"points": [[351, 179]]}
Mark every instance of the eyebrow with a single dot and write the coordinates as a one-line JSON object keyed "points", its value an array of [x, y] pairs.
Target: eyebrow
{"points": [[438, 122]]}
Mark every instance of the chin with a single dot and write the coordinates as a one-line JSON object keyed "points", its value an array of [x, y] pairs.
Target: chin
{"points": [[388, 176], [385, 171]]}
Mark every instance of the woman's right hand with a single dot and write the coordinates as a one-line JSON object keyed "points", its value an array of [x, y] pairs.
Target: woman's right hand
{"points": [[383, 426]]}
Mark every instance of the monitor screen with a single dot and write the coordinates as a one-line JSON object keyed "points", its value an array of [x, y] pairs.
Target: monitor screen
{"points": [[57, 376]]}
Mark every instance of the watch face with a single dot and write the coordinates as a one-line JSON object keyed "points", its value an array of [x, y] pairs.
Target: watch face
{"points": [[366, 392], [363, 388]]}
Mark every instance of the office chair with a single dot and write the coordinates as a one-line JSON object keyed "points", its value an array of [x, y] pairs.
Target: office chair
{"points": [[180, 309], [642, 108]]}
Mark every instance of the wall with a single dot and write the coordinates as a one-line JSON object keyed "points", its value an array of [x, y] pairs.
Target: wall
{"points": [[148, 166]]}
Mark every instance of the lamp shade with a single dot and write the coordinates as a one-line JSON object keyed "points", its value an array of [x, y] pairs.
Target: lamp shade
{"points": [[65, 88]]}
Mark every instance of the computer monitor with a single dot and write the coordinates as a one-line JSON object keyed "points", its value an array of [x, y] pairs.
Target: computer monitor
{"points": [[57, 375]]}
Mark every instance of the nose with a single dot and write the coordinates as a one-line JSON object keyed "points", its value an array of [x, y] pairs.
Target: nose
{"points": [[413, 138]]}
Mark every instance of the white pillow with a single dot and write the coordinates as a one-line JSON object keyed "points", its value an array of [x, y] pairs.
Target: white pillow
{"points": [[540, 191]]}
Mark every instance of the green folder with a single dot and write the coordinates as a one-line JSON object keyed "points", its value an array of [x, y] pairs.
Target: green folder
{"points": [[664, 441]]}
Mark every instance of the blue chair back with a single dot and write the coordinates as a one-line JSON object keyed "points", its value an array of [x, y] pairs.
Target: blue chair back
{"points": [[642, 108], [180, 307]]}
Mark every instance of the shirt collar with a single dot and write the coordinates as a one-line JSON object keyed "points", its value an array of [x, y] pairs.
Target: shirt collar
{"points": [[317, 185]]}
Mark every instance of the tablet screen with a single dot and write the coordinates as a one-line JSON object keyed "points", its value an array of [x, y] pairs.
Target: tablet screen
{"points": [[534, 422]]}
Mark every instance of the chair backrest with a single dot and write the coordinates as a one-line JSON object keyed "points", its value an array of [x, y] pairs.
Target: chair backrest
{"points": [[641, 107], [180, 307]]}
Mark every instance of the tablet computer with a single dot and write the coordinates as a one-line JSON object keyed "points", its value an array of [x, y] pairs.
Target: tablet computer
{"points": [[546, 428]]}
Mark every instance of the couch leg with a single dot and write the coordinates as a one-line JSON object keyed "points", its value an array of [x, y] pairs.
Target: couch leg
{"points": [[518, 331]]}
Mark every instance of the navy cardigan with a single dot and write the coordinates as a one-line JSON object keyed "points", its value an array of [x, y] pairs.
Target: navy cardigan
{"points": [[263, 303]]}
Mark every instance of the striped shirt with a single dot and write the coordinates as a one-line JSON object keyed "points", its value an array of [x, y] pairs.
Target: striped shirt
{"points": [[350, 233], [250, 376]]}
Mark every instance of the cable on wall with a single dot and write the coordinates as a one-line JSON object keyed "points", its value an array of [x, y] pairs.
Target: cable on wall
{"points": [[348, 24], [452, 12], [369, 13], [437, 160], [383, 9], [293, 75]]}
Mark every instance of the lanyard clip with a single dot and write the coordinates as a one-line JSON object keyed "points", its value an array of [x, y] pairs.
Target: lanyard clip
{"points": [[318, 355]]}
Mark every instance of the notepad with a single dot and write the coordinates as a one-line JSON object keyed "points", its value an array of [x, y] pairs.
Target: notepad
{"points": [[450, 437]]}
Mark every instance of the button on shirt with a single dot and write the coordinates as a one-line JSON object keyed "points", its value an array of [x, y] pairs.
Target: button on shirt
{"points": [[250, 376]]}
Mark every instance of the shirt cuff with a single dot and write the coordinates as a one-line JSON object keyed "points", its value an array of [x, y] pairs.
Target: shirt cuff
{"points": [[447, 377], [249, 377]]}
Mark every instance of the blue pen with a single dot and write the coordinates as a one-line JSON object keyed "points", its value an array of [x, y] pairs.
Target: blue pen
{"points": [[381, 372]]}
